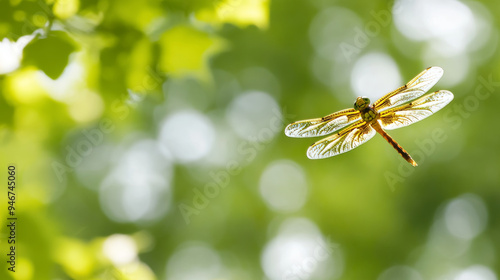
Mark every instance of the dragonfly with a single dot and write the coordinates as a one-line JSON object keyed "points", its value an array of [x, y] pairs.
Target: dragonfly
{"points": [[353, 127]]}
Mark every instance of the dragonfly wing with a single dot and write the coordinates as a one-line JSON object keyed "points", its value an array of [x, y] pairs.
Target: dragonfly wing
{"points": [[341, 142], [415, 88], [322, 126], [416, 110]]}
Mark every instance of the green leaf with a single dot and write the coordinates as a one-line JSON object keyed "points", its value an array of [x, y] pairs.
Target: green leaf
{"points": [[50, 54]]}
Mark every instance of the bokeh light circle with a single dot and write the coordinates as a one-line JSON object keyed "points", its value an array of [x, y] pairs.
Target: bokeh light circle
{"points": [[374, 75], [188, 135], [283, 186], [255, 116], [466, 216], [194, 261], [138, 187], [300, 251]]}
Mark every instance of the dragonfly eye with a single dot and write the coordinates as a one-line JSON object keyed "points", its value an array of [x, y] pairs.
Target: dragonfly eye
{"points": [[361, 103]]}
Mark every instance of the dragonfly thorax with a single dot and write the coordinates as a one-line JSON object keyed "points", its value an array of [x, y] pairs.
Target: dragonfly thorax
{"points": [[369, 114]]}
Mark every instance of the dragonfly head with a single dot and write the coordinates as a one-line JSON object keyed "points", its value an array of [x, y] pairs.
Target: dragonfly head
{"points": [[361, 103]]}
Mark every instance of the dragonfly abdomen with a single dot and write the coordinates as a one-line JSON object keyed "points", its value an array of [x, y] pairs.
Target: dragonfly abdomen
{"points": [[394, 144]]}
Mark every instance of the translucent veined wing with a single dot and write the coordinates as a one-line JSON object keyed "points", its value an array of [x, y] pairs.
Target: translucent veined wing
{"points": [[347, 139], [323, 126], [415, 88], [416, 110]]}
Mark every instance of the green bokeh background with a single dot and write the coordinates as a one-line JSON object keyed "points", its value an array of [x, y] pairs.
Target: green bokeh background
{"points": [[123, 67]]}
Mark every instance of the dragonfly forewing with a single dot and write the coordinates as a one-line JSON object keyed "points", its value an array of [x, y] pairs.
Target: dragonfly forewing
{"points": [[415, 88], [323, 126]]}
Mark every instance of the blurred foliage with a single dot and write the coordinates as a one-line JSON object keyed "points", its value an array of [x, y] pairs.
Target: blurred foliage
{"points": [[110, 73], [49, 54]]}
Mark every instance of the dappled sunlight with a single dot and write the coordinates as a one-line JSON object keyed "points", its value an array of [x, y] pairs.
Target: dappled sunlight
{"points": [[75, 257], [66, 9], [254, 116], [329, 29], [149, 140], [11, 53], [453, 241], [451, 30], [26, 270], [456, 68], [187, 135], [466, 217], [450, 21], [120, 249], [330, 32], [71, 80], [475, 272], [239, 12], [300, 251], [138, 188], [86, 107], [185, 51], [374, 75], [194, 261], [23, 87], [283, 186]]}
